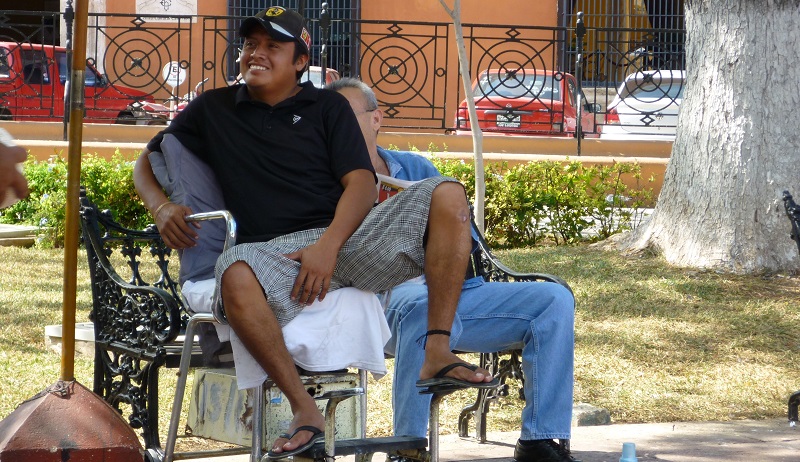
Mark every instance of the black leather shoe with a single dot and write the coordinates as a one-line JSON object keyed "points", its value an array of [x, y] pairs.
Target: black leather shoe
{"points": [[541, 451]]}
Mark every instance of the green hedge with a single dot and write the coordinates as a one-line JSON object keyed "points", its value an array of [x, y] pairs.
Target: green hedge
{"points": [[109, 184], [552, 202], [527, 204]]}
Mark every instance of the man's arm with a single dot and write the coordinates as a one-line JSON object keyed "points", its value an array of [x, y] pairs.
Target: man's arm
{"points": [[413, 167], [318, 260], [168, 216]]}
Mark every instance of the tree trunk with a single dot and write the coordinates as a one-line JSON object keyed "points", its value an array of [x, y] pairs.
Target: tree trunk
{"points": [[737, 146]]}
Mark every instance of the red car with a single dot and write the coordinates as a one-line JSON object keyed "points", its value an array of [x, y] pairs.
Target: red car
{"points": [[527, 102], [32, 79]]}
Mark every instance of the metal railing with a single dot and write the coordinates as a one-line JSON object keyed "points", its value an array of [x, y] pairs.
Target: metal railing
{"points": [[411, 65]]}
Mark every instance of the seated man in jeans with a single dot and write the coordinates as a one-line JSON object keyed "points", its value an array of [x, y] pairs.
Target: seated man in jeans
{"points": [[536, 317]]}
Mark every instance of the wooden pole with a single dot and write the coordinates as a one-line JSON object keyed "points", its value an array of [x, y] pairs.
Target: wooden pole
{"points": [[77, 104]]}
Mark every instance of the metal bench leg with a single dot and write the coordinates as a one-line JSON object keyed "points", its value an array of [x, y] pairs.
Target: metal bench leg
{"points": [[180, 387], [259, 398], [362, 378], [794, 403], [433, 426]]}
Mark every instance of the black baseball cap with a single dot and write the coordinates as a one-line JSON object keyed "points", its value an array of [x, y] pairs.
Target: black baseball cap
{"points": [[281, 24]]}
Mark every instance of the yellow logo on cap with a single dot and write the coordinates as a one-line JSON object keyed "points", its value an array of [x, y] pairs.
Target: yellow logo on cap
{"points": [[274, 11]]}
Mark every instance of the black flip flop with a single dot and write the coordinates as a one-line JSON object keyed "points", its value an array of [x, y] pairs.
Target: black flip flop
{"points": [[440, 380], [317, 435]]}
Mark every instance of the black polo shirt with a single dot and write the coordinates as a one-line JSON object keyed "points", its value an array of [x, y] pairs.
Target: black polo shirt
{"points": [[279, 166]]}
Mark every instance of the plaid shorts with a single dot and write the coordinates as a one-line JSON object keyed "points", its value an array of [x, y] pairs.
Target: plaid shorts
{"points": [[386, 250]]}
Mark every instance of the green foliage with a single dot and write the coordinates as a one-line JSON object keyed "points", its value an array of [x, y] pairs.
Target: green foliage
{"points": [[556, 202], [109, 184], [527, 204]]}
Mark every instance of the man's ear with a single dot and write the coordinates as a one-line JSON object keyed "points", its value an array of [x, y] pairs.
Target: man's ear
{"points": [[302, 63], [376, 119]]}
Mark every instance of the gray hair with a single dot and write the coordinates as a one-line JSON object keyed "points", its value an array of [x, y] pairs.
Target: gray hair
{"points": [[366, 91]]}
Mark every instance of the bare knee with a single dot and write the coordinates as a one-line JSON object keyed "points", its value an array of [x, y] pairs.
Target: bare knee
{"points": [[450, 198], [238, 282]]}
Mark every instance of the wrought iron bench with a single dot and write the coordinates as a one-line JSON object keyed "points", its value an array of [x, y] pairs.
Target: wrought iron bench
{"points": [[139, 319], [793, 212]]}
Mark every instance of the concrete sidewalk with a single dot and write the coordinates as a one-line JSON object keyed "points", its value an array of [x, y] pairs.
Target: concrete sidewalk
{"points": [[22, 236], [746, 440]]}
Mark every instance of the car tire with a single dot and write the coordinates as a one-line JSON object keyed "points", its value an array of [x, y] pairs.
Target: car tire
{"points": [[5, 114]]}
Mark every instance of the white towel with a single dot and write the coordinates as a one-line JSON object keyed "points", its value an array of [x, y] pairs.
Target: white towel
{"points": [[347, 329]]}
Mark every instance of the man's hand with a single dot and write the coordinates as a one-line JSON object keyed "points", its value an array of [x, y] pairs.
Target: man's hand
{"points": [[317, 263], [10, 177], [175, 231]]}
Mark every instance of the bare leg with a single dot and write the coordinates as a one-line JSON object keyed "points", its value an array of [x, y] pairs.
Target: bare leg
{"points": [[254, 322], [446, 257]]}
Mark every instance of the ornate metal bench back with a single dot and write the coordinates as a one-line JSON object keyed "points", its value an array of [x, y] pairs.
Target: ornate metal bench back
{"points": [[140, 313], [793, 212], [133, 318]]}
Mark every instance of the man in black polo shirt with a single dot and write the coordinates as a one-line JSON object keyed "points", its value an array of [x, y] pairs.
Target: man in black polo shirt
{"points": [[296, 174]]}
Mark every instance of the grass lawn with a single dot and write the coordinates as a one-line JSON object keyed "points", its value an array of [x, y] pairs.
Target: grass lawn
{"points": [[653, 343]]}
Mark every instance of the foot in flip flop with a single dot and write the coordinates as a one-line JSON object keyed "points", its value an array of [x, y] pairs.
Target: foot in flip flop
{"points": [[317, 435], [441, 379]]}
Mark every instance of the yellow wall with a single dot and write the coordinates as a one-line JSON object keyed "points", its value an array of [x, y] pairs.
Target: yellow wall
{"points": [[505, 12], [43, 139]]}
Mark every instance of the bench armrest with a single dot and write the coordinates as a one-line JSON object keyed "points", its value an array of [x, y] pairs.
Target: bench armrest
{"points": [[129, 315], [487, 265], [230, 241]]}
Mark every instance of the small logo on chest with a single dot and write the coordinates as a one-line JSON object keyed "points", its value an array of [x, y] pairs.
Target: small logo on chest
{"points": [[295, 119]]}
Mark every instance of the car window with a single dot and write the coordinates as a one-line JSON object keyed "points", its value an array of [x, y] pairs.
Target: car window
{"points": [[90, 76], [572, 95], [5, 63], [34, 67], [665, 89], [517, 85]]}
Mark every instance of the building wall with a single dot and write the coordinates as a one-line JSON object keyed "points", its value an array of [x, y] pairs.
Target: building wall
{"points": [[510, 12]]}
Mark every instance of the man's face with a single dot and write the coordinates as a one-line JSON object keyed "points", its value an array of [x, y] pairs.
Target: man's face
{"points": [[368, 118], [269, 64]]}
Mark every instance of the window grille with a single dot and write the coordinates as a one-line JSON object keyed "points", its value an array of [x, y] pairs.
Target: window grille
{"points": [[623, 35], [342, 51]]}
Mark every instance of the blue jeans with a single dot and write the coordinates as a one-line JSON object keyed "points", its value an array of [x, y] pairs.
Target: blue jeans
{"points": [[536, 317]]}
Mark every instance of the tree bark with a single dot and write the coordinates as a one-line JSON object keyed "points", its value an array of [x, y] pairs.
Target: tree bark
{"points": [[737, 145]]}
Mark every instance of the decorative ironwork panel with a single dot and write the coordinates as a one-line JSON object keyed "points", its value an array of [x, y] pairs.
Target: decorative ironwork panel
{"points": [[406, 64], [133, 50]]}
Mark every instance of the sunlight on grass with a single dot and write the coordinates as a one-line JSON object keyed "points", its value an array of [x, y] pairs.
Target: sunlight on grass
{"points": [[654, 343]]}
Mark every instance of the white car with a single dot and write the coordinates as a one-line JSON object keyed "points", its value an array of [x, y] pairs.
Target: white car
{"points": [[646, 105], [314, 74]]}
